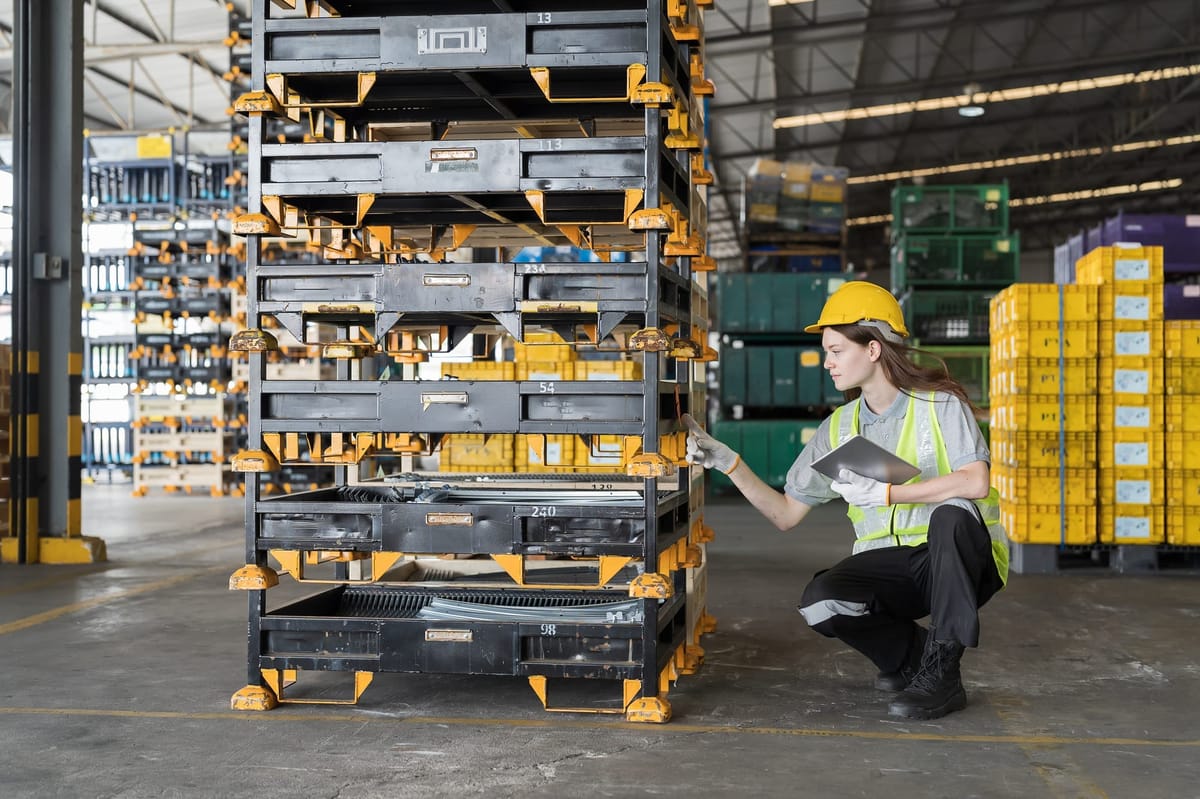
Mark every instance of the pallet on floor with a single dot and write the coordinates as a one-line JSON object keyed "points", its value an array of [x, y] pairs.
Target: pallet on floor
{"points": [[1120, 558]]}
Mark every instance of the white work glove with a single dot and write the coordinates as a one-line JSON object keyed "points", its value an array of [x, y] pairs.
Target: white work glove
{"points": [[862, 492], [704, 450]]}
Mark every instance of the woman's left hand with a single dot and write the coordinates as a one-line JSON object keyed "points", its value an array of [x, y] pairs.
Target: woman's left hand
{"points": [[862, 491]]}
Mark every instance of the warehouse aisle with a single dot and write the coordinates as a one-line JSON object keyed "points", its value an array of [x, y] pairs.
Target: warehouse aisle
{"points": [[117, 682]]}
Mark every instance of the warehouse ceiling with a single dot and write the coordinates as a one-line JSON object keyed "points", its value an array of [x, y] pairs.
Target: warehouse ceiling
{"points": [[1069, 97]]}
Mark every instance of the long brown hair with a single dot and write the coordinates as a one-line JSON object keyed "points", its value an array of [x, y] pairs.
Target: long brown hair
{"points": [[900, 368]]}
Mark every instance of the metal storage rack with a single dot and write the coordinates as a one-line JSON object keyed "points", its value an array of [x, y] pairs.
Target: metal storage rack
{"points": [[448, 127]]}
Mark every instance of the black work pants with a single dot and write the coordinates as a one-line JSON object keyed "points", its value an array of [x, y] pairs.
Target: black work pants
{"points": [[872, 600]]}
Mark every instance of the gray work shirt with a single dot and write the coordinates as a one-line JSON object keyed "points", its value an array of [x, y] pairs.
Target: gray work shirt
{"points": [[964, 444]]}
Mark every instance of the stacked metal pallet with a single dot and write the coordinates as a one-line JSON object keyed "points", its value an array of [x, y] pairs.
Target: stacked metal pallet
{"points": [[184, 443], [446, 127]]}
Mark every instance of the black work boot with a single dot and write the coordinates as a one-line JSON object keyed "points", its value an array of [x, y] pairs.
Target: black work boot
{"points": [[937, 688], [899, 680]]}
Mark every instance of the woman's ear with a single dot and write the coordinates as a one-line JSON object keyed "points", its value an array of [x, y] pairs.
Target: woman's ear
{"points": [[874, 350]]}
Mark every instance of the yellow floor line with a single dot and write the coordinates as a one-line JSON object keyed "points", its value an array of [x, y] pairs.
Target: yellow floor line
{"points": [[558, 723], [104, 599]]}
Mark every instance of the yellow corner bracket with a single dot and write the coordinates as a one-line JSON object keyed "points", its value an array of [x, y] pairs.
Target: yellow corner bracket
{"points": [[257, 103], [254, 461], [255, 225], [253, 340], [651, 586], [253, 578], [279, 679], [254, 698]]}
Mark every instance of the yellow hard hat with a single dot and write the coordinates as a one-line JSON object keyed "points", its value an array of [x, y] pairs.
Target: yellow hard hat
{"points": [[859, 301]]}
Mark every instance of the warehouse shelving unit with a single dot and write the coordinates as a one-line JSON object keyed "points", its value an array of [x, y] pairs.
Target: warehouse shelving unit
{"points": [[544, 125]]}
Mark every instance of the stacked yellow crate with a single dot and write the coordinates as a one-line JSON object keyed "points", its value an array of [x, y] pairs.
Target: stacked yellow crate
{"points": [[1131, 371], [1043, 395], [467, 452], [1182, 425]]}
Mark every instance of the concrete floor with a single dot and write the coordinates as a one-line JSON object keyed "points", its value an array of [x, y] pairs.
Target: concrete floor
{"points": [[117, 680]]}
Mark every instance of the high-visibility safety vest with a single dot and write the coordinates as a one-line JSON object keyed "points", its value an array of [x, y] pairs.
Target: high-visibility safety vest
{"points": [[921, 443]]}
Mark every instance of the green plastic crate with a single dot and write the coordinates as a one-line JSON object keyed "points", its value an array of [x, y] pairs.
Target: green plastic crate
{"points": [[769, 303], [944, 261], [948, 317], [788, 376], [968, 365], [769, 447], [950, 209]]}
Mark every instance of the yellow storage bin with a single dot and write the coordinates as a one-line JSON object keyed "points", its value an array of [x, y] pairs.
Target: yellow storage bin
{"points": [[1119, 263], [479, 370], [1136, 448], [1182, 452], [545, 371], [1183, 375], [1129, 485], [1035, 414], [1024, 303], [1131, 411], [1182, 338], [1183, 488], [1125, 338], [1046, 340], [608, 370], [543, 347], [558, 455], [1049, 524], [468, 452], [1183, 527], [1068, 487], [1043, 376], [1132, 301], [1181, 415], [1131, 375], [1041, 450], [1132, 524], [603, 455]]}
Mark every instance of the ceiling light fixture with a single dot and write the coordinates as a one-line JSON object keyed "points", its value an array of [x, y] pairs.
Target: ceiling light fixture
{"points": [[970, 108], [990, 98], [776, 3]]}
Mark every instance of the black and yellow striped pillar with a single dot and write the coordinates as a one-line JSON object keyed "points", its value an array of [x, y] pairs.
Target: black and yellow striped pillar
{"points": [[46, 433]]}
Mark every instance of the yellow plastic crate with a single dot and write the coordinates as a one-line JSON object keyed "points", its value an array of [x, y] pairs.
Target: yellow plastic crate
{"points": [[1125, 338], [1183, 375], [1182, 452], [1132, 524], [1049, 524], [545, 370], [1183, 488], [1131, 411], [1183, 527], [468, 452], [1182, 338], [1133, 486], [1131, 448], [1131, 375], [602, 456], [1131, 301], [1041, 450], [1070, 487], [1178, 417], [558, 455], [1042, 340], [479, 370], [608, 370], [1120, 263], [543, 347], [1043, 376], [1034, 414], [1023, 303]]}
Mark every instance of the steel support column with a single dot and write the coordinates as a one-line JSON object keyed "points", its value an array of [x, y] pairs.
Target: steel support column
{"points": [[47, 435]]}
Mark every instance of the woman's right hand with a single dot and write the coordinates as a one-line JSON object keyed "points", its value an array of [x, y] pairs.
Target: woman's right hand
{"points": [[704, 450]]}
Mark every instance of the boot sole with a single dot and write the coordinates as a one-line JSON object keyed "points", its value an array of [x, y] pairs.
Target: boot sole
{"points": [[957, 701]]}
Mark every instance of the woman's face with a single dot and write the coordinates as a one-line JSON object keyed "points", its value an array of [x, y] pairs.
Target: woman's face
{"points": [[849, 364]]}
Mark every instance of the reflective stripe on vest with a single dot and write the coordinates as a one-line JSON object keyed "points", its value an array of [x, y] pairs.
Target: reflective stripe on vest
{"points": [[921, 443]]}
